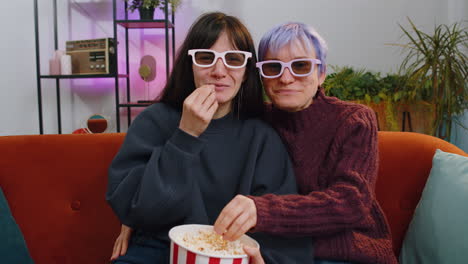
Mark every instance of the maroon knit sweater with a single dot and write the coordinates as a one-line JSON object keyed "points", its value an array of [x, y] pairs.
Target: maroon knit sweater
{"points": [[333, 146]]}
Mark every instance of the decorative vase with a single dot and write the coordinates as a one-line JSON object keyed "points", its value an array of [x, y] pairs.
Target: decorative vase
{"points": [[146, 13]]}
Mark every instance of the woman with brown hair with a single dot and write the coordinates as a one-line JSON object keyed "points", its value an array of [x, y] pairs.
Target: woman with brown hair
{"points": [[185, 157]]}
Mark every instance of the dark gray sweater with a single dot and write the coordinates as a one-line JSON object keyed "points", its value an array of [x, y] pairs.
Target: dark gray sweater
{"points": [[163, 177]]}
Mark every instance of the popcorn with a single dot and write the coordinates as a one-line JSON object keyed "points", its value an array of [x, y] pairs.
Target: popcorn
{"points": [[199, 244], [208, 242]]}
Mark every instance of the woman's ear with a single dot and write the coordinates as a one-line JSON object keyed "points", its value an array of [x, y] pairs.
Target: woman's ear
{"points": [[322, 76]]}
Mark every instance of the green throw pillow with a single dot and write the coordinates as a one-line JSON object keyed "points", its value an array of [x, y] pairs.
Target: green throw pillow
{"points": [[438, 232], [12, 245]]}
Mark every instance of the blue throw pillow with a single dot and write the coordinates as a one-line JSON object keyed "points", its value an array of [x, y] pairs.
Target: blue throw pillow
{"points": [[438, 232], [12, 245]]}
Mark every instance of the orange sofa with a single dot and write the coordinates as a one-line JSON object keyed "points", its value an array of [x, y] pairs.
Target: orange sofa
{"points": [[55, 186]]}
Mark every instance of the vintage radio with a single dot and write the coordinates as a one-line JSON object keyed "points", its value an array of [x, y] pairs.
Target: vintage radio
{"points": [[92, 56]]}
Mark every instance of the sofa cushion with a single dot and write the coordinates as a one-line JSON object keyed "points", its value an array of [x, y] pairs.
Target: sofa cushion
{"points": [[12, 245], [56, 185], [438, 232], [405, 161]]}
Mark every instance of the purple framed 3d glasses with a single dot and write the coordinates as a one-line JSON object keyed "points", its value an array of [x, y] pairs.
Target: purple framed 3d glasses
{"points": [[234, 59], [298, 67]]}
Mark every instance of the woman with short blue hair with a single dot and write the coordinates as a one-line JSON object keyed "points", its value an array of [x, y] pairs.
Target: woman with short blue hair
{"points": [[284, 34], [334, 148]]}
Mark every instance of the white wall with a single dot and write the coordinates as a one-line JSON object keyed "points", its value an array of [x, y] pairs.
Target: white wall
{"points": [[357, 32]]}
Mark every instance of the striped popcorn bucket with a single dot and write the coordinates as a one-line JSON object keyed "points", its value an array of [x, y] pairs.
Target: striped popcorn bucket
{"points": [[182, 255]]}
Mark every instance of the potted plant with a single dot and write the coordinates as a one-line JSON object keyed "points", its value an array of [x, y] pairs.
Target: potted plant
{"points": [[367, 88], [437, 72], [147, 7]]}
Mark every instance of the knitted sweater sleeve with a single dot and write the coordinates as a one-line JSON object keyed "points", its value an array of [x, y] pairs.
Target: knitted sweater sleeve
{"points": [[150, 175], [347, 200]]}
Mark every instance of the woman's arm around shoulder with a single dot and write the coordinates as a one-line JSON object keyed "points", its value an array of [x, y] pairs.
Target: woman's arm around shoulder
{"points": [[347, 200]]}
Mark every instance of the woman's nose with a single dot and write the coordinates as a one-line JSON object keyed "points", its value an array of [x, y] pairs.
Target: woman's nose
{"points": [[219, 69], [286, 77]]}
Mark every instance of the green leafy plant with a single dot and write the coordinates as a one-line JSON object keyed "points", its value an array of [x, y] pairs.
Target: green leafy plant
{"points": [[437, 72], [369, 88], [347, 83], [148, 4]]}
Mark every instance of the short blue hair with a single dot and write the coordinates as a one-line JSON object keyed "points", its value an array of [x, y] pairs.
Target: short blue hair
{"points": [[286, 33]]}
